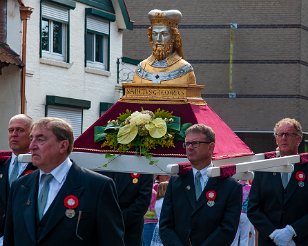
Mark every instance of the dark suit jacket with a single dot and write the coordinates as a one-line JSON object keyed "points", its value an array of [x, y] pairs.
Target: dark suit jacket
{"points": [[272, 207], [134, 200], [100, 221], [185, 221], [5, 189]]}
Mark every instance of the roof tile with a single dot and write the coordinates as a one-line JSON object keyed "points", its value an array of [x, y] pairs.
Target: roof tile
{"points": [[9, 56]]}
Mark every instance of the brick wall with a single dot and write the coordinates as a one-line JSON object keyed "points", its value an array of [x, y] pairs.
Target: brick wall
{"points": [[270, 68]]}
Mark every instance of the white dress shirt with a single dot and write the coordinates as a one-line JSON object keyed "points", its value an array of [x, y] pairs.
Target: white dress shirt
{"points": [[59, 176]]}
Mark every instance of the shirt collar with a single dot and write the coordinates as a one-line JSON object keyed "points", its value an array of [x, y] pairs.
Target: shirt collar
{"points": [[60, 172], [13, 157], [202, 171]]}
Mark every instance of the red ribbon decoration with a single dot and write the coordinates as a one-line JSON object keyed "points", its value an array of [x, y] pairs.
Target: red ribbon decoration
{"points": [[71, 202], [211, 195], [300, 176], [135, 175]]}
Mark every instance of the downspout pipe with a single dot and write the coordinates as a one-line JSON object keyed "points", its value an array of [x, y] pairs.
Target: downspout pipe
{"points": [[25, 13]]}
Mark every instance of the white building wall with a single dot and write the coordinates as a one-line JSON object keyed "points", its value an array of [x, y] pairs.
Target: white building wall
{"points": [[10, 77], [68, 80], [9, 99], [14, 26]]}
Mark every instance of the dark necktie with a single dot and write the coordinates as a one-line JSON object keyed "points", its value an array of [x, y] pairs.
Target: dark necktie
{"points": [[15, 171], [198, 187], [285, 179], [42, 198]]}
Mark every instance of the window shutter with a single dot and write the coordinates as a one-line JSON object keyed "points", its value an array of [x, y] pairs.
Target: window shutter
{"points": [[72, 115], [54, 12], [101, 26]]}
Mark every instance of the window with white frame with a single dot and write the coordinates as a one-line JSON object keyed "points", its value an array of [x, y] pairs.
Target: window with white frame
{"points": [[54, 31], [97, 43]]}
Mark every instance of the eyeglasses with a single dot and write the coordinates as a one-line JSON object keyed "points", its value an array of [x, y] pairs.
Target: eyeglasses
{"points": [[194, 144], [286, 134]]}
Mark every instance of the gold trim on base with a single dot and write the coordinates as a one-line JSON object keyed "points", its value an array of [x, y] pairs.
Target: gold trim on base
{"points": [[162, 94], [99, 151]]}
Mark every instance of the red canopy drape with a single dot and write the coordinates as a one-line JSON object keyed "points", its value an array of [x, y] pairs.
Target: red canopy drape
{"points": [[228, 144]]}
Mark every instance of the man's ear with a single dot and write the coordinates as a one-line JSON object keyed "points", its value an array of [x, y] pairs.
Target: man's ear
{"points": [[64, 146], [300, 139], [212, 146]]}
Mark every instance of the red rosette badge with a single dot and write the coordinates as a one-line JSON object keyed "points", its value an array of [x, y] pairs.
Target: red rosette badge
{"points": [[135, 177], [70, 202], [211, 197], [300, 177]]}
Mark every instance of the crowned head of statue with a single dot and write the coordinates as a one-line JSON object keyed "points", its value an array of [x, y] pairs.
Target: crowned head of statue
{"points": [[163, 34], [166, 64]]}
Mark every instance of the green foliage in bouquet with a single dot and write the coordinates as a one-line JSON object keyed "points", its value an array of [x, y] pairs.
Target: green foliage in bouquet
{"points": [[141, 131]]}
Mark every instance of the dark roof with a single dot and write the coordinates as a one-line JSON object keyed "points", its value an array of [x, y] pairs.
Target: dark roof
{"points": [[9, 56]]}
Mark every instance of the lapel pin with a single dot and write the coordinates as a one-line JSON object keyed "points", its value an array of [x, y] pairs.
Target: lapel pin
{"points": [[187, 187], [70, 213], [70, 202], [1, 175], [211, 197], [135, 177], [28, 202], [300, 177]]}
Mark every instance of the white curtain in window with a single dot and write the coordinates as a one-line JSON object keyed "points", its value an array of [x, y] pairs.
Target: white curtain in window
{"points": [[97, 25], [72, 115], [54, 12]]}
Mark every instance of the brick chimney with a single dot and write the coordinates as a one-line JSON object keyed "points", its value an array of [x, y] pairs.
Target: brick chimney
{"points": [[3, 24]]}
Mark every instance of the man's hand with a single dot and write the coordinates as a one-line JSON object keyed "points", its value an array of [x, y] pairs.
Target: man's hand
{"points": [[273, 234], [291, 243], [283, 237]]}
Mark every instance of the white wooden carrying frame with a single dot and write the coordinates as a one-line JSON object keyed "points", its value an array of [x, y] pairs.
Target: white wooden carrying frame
{"points": [[244, 166]]}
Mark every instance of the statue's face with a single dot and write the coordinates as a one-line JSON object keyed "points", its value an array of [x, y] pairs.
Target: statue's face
{"points": [[162, 42], [161, 34]]}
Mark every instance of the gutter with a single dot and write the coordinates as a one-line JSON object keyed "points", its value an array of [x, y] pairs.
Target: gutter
{"points": [[25, 13]]}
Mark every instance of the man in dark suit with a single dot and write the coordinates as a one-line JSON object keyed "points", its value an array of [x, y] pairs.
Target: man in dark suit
{"points": [[198, 210], [61, 203], [278, 201], [134, 191], [19, 140]]}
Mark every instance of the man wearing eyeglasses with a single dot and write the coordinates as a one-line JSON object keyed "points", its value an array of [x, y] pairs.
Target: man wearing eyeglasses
{"points": [[199, 210], [278, 201]]}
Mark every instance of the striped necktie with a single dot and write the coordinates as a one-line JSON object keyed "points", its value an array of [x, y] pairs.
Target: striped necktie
{"points": [[198, 187], [42, 198], [15, 171], [285, 179]]}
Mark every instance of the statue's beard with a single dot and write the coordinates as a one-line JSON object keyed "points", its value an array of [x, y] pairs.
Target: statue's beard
{"points": [[163, 51]]}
